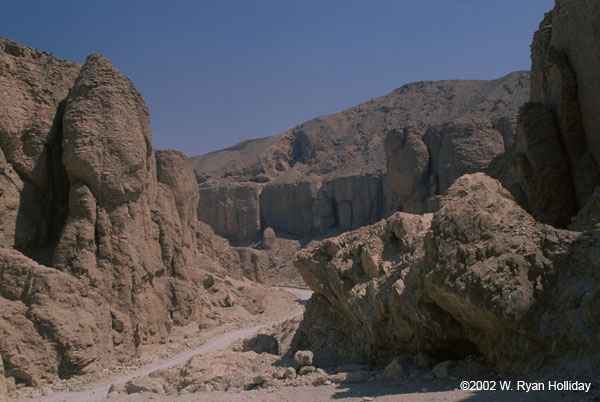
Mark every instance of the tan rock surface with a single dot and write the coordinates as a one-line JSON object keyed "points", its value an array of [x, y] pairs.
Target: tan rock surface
{"points": [[421, 165], [3, 390], [327, 174], [33, 85], [483, 278], [113, 222]]}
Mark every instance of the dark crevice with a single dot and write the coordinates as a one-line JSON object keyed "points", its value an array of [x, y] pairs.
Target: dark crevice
{"points": [[43, 211], [58, 208]]}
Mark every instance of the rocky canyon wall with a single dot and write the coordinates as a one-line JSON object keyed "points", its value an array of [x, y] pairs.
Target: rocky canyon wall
{"points": [[485, 275], [552, 169], [330, 174], [100, 247]]}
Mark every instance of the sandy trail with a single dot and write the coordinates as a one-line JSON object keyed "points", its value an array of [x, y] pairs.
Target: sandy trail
{"points": [[97, 390]]}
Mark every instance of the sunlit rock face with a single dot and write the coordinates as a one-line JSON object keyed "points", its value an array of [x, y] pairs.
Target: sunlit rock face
{"points": [[100, 247]]}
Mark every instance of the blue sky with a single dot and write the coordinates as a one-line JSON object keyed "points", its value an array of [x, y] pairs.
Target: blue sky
{"points": [[220, 71]]}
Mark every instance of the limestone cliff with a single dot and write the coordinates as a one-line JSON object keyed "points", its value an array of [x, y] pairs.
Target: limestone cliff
{"points": [[329, 174], [421, 165], [100, 247]]}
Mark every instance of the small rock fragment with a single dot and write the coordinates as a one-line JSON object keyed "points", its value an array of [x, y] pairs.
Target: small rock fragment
{"points": [[303, 358], [394, 370], [306, 370], [290, 373], [442, 370]]}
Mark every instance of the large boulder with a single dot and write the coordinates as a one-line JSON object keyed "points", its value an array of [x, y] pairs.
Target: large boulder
{"points": [[515, 285], [479, 277]]}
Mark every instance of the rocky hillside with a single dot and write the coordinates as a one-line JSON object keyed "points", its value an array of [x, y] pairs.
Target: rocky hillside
{"points": [[328, 173], [483, 276], [100, 247]]}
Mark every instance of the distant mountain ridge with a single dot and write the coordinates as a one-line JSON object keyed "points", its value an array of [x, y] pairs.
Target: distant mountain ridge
{"points": [[330, 144], [348, 144]]}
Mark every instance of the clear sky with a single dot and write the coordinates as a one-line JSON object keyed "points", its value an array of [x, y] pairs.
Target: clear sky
{"points": [[214, 72]]}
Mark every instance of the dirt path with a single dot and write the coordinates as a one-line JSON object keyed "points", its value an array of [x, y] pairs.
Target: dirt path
{"points": [[97, 390], [401, 391]]}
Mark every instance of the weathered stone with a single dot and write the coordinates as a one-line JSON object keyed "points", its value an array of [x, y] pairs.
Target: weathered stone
{"points": [[113, 222], [571, 31], [394, 370], [253, 264], [328, 173], [232, 211], [3, 389], [290, 373], [482, 274], [268, 239], [536, 170], [406, 184], [34, 84], [422, 164], [352, 377], [553, 169], [261, 343], [303, 358], [444, 369], [145, 384], [116, 389], [306, 370]]}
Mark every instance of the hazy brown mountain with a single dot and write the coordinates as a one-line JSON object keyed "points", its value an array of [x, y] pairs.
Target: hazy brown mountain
{"points": [[328, 173]]}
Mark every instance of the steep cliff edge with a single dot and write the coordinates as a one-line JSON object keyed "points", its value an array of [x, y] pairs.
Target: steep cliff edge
{"points": [[485, 275], [329, 173], [552, 168], [100, 247]]}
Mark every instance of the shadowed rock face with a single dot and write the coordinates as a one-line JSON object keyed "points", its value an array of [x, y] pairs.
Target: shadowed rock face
{"points": [[552, 168], [101, 249], [307, 166], [34, 183], [421, 165], [570, 71]]}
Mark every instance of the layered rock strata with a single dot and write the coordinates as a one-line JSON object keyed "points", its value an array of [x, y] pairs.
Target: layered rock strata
{"points": [[330, 174]]}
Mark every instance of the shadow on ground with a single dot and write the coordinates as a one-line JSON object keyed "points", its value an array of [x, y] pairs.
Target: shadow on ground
{"points": [[450, 391]]}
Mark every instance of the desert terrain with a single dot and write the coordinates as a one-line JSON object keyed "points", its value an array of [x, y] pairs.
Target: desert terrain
{"points": [[438, 243]]}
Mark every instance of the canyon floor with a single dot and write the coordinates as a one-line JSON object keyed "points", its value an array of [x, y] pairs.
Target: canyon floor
{"points": [[284, 305]]}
